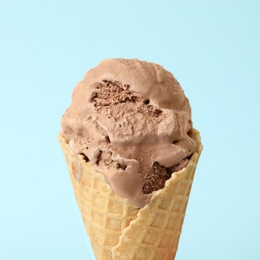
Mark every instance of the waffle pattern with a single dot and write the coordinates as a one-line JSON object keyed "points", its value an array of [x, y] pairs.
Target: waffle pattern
{"points": [[117, 229], [105, 214], [155, 233]]}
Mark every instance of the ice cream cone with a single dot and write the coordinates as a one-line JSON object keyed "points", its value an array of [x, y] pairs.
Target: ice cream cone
{"points": [[118, 229]]}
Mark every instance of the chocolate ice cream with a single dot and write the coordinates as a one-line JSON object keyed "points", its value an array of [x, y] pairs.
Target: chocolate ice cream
{"points": [[131, 120]]}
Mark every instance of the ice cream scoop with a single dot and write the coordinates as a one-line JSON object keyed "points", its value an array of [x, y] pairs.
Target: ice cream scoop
{"points": [[131, 120]]}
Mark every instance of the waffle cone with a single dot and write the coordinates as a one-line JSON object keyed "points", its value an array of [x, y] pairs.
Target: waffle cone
{"points": [[119, 230]]}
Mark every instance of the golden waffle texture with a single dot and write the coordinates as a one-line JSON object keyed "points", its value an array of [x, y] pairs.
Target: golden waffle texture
{"points": [[119, 230]]}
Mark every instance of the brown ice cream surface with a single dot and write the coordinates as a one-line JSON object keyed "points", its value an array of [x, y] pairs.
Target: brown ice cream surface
{"points": [[132, 121]]}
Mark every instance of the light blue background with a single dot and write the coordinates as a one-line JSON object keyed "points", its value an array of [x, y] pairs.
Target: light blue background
{"points": [[212, 47]]}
